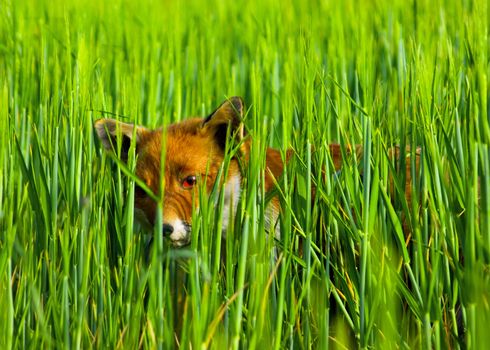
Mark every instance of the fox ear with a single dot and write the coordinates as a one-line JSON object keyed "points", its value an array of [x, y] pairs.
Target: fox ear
{"points": [[229, 114], [110, 131]]}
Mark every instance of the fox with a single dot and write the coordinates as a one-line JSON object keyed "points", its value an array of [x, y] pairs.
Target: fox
{"points": [[195, 151]]}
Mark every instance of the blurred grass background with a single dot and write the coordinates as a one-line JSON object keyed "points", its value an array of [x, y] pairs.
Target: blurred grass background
{"points": [[377, 73]]}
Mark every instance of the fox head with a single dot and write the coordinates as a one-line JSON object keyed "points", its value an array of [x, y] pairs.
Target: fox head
{"points": [[195, 149]]}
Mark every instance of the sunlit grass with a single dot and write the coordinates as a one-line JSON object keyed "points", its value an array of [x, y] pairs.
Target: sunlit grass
{"points": [[75, 270]]}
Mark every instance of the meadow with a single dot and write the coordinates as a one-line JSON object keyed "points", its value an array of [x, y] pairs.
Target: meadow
{"points": [[356, 264]]}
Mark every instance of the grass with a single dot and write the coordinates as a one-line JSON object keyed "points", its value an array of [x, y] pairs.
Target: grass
{"points": [[73, 270]]}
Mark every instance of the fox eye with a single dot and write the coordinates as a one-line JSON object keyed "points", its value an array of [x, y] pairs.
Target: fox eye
{"points": [[189, 182]]}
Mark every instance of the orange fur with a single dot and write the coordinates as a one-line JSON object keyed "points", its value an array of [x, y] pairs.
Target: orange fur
{"points": [[189, 151], [195, 147]]}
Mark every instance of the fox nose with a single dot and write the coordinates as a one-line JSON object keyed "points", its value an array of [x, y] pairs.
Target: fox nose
{"points": [[167, 229]]}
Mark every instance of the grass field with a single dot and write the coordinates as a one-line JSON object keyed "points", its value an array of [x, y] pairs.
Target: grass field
{"points": [[74, 273]]}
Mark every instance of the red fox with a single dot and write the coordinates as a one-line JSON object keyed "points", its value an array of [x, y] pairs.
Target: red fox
{"points": [[195, 149]]}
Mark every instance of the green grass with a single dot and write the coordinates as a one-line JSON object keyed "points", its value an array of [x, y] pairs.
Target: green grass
{"points": [[72, 268]]}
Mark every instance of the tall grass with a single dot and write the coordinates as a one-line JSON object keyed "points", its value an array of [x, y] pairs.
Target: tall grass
{"points": [[74, 266]]}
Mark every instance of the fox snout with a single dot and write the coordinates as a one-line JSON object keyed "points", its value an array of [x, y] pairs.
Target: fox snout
{"points": [[178, 231], [167, 229]]}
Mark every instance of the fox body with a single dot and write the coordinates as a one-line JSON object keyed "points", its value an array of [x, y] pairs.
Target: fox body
{"points": [[195, 150]]}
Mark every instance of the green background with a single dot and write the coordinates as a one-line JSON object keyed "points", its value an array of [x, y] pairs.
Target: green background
{"points": [[73, 269]]}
